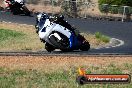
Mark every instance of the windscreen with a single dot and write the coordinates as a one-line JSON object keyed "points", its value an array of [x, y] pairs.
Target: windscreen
{"points": [[41, 23]]}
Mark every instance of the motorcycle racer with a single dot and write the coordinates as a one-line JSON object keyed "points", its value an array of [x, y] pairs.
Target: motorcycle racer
{"points": [[7, 3], [56, 19], [60, 20], [20, 1], [55, 36], [17, 7]]}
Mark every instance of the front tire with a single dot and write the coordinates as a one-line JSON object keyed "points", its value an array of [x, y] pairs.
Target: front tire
{"points": [[49, 47], [14, 11], [66, 50]]}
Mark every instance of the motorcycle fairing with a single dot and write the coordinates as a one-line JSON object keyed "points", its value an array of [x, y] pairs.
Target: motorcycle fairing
{"points": [[41, 25], [62, 30], [73, 41], [45, 29]]}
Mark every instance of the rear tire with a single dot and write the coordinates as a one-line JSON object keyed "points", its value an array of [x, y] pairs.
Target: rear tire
{"points": [[49, 47], [26, 11], [85, 46]]}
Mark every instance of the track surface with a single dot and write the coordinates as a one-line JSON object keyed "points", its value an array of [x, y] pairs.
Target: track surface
{"points": [[75, 53], [119, 30]]}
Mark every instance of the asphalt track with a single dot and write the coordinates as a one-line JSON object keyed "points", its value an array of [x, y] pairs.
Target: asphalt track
{"points": [[114, 29]]}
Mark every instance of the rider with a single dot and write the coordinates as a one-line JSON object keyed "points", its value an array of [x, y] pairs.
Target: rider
{"points": [[19, 1], [8, 2], [60, 20], [43, 18], [56, 19]]}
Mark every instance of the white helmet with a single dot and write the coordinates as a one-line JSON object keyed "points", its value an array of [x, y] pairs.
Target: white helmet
{"points": [[19, 1], [41, 16]]}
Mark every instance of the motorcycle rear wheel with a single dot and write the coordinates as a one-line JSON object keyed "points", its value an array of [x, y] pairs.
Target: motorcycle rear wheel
{"points": [[26, 11], [85, 46]]}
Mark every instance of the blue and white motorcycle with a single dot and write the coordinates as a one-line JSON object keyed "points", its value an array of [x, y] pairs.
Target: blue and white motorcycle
{"points": [[57, 35]]}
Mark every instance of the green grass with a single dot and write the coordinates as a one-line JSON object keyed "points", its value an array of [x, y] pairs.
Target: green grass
{"points": [[102, 37], [6, 34], [25, 38], [11, 40], [59, 79]]}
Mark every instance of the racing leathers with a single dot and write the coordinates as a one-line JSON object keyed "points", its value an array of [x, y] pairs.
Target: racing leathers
{"points": [[60, 20], [9, 2]]}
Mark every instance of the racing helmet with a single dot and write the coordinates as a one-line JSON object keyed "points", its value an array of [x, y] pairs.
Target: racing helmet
{"points": [[61, 17], [42, 16]]}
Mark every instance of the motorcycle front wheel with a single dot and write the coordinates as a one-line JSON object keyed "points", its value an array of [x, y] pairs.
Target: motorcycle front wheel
{"points": [[15, 11], [49, 47], [66, 50]]}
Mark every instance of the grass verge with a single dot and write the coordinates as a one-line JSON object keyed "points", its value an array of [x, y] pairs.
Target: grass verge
{"points": [[102, 37], [96, 41], [58, 79], [59, 71], [8, 38], [17, 37]]}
